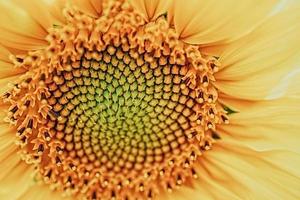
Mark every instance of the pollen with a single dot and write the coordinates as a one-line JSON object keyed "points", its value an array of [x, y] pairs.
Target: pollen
{"points": [[115, 107]]}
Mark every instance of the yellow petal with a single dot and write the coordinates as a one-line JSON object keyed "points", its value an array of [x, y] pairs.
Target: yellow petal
{"points": [[90, 7], [286, 4], [16, 182], [151, 9], [16, 177], [255, 64], [7, 135], [4, 54], [268, 45], [286, 160], [250, 174], [206, 22], [233, 103], [8, 70], [40, 11], [9, 158], [42, 192], [14, 174], [289, 86], [255, 87], [267, 125], [203, 188], [5, 83], [18, 30], [16, 41], [230, 171]]}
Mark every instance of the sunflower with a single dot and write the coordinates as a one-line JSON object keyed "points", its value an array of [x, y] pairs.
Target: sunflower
{"points": [[149, 99]]}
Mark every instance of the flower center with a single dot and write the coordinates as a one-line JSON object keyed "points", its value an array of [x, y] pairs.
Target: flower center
{"points": [[118, 115], [115, 107]]}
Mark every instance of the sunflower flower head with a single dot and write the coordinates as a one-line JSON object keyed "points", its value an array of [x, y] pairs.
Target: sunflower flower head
{"points": [[123, 102], [116, 103]]}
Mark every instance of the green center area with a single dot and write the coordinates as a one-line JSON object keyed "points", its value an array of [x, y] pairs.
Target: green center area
{"points": [[120, 114]]}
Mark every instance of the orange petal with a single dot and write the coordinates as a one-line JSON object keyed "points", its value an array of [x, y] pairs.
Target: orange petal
{"points": [[97, 4]]}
